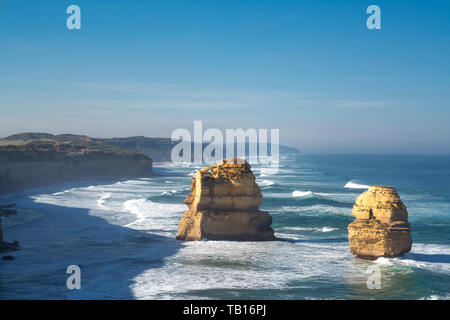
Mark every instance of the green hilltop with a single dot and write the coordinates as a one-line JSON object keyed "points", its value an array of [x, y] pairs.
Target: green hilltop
{"points": [[159, 149]]}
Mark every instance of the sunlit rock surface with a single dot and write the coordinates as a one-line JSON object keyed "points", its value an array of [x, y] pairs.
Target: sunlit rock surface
{"points": [[224, 205], [381, 228]]}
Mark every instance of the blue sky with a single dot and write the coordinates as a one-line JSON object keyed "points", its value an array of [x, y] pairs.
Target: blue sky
{"points": [[309, 68]]}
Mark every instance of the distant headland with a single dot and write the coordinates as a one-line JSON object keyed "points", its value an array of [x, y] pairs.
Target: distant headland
{"points": [[34, 159], [37, 159]]}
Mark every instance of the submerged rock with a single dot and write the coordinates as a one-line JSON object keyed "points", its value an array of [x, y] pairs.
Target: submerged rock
{"points": [[381, 228], [224, 205]]}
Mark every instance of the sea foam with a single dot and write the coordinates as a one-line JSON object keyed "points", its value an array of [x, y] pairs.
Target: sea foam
{"points": [[153, 216], [266, 183], [353, 185], [299, 193]]}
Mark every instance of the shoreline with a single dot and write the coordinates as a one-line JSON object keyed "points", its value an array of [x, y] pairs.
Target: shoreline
{"points": [[134, 257], [81, 182]]}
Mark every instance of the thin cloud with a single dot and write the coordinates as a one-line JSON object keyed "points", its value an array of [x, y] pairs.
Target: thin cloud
{"points": [[157, 95], [364, 104]]}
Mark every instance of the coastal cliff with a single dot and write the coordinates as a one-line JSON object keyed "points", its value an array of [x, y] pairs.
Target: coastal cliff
{"points": [[39, 163], [381, 228], [6, 246], [159, 149], [224, 205]]}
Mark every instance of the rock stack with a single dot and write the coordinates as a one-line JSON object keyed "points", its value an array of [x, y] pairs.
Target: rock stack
{"points": [[224, 205], [381, 228]]}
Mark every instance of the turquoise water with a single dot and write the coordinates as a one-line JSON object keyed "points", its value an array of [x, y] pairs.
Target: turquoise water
{"points": [[122, 235]]}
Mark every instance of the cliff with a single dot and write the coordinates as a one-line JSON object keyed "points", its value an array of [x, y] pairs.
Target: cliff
{"points": [[224, 205], [33, 158], [381, 228], [6, 246], [159, 149], [43, 162]]}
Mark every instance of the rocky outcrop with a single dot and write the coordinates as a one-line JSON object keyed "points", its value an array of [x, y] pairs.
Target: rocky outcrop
{"points": [[381, 228], [224, 205], [45, 162], [6, 246]]}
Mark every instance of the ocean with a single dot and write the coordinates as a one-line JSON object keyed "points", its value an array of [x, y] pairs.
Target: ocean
{"points": [[122, 236]]}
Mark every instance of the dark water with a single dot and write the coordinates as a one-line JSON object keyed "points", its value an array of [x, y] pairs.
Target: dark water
{"points": [[122, 236]]}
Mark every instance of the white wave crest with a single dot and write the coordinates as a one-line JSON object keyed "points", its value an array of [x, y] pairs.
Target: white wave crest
{"points": [[101, 201], [298, 193], [318, 229], [169, 192], [383, 261], [313, 210], [152, 215], [353, 185], [266, 183], [265, 172]]}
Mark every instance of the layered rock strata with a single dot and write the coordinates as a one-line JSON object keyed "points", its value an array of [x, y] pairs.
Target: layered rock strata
{"points": [[224, 205], [381, 228], [41, 163]]}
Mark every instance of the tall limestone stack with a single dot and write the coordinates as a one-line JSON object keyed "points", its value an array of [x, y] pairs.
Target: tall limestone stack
{"points": [[381, 228], [224, 205]]}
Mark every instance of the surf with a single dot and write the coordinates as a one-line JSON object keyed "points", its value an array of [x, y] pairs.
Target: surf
{"points": [[354, 185]]}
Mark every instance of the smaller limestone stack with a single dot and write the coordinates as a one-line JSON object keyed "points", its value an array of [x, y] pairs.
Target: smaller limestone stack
{"points": [[381, 228], [224, 205]]}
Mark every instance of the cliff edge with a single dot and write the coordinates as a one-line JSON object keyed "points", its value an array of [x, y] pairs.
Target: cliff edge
{"points": [[224, 205], [44, 162]]}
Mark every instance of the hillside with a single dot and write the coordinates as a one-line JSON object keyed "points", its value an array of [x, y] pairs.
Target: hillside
{"points": [[26, 163], [47, 150], [159, 149]]}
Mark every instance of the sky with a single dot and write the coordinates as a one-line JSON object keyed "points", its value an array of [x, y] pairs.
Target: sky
{"points": [[311, 69]]}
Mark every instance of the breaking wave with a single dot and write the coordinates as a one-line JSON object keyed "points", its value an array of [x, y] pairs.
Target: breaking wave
{"points": [[353, 185], [101, 201], [318, 229], [152, 215], [298, 193], [266, 183]]}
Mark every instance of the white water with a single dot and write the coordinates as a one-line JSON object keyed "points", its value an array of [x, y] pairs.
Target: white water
{"points": [[302, 193], [122, 235], [353, 185]]}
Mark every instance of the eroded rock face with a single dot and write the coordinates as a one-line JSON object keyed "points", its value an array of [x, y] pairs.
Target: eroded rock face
{"points": [[381, 228], [41, 163], [7, 246], [224, 205]]}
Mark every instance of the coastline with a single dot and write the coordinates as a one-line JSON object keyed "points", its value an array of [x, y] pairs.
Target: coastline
{"points": [[122, 235], [51, 234], [6, 193]]}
